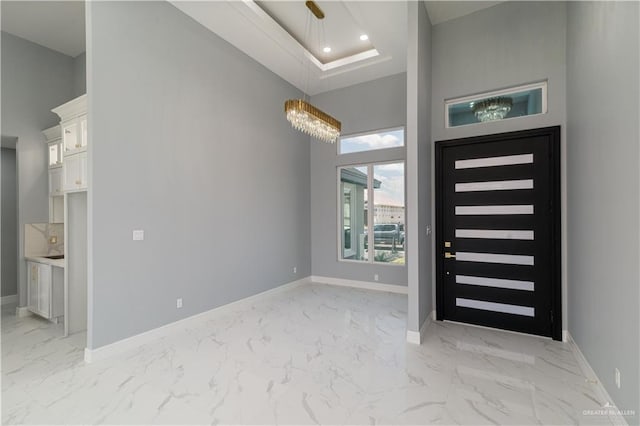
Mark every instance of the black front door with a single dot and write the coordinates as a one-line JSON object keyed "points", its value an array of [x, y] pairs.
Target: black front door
{"points": [[498, 231]]}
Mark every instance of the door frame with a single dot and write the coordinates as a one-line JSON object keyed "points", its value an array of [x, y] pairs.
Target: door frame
{"points": [[555, 246]]}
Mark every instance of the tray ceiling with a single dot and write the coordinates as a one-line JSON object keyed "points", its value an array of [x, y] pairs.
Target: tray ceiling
{"points": [[273, 33]]}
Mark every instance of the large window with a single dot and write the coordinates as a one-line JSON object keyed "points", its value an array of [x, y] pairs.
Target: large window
{"points": [[372, 194]]}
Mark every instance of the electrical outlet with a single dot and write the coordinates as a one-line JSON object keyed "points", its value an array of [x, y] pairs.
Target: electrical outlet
{"points": [[295, 269], [618, 378], [179, 303], [138, 235], [375, 277]]}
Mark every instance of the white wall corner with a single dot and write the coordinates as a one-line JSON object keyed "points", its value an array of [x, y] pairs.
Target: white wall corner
{"points": [[366, 285], [7, 300], [565, 336], [417, 337], [614, 415]]}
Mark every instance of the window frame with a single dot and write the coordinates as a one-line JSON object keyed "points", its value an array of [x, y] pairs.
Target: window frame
{"points": [[370, 165], [508, 91], [352, 201]]}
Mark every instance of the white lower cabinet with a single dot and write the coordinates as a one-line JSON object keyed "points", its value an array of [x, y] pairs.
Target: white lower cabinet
{"points": [[45, 290], [75, 172]]}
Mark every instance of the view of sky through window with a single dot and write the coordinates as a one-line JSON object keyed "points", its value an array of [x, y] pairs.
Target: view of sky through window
{"points": [[381, 140]]}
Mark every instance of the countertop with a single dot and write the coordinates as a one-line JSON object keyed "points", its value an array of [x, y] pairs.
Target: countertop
{"points": [[53, 262]]}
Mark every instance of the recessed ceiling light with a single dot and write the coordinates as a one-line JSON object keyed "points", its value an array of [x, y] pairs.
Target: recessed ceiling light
{"points": [[364, 37], [326, 49]]}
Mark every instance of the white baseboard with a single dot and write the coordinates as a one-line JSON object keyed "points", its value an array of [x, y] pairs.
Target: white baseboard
{"points": [[367, 285], [614, 415], [7, 300], [133, 342], [417, 337], [565, 336], [23, 311]]}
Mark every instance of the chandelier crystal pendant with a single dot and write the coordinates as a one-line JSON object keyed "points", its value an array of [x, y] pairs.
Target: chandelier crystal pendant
{"points": [[310, 120], [492, 109], [305, 117]]}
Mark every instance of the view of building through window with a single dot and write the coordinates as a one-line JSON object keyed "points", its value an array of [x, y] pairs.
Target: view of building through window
{"points": [[353, 190], [384, 185], [388, 214]]}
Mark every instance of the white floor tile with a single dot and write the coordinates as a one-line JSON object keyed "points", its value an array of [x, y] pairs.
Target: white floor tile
{"points": [[314, 354]]}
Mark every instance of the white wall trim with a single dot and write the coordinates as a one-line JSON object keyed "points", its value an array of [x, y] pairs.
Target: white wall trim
{"points": [[417, 337], [367, 285], [23, 311], [614, 415], [7, 300], [129, 343]]}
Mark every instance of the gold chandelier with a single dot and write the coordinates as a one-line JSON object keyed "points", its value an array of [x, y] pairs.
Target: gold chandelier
{"points": [[305, 117], [310, 120]]}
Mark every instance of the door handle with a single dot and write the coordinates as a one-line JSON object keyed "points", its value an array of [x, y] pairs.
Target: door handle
{"points": [[448, 255]]}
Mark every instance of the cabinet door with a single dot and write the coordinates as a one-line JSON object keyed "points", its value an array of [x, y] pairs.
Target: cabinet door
{"points": [[83, 131], [44, 290], [75, 172], [82, 170], [55, 153], [70, 169], [60, 151], [71, 136], [55, 182], [32, 286]]}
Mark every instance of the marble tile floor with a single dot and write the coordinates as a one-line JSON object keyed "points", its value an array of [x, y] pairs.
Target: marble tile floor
{"points": [[314, 354]]}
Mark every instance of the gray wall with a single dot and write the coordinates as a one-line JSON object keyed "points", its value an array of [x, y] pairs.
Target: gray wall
{"points": [[34, 80], [374, 105], [506, 45], [80, 75], [9, 222], [188, 141], [603, 190], [419, 243]]}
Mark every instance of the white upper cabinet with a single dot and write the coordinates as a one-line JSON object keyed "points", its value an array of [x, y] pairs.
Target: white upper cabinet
{"points": [[71, 136], [73, 120], [73, 125], [56, 190], [54, 142], [74, 135]]}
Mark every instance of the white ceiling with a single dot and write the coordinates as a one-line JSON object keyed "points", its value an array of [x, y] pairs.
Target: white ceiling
{"points": [[271, 32], [442, 11], [58, 25], [338, 30], [248, 27]]}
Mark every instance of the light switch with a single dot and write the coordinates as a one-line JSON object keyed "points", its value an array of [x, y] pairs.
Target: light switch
{"points": [[138, 235]]}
